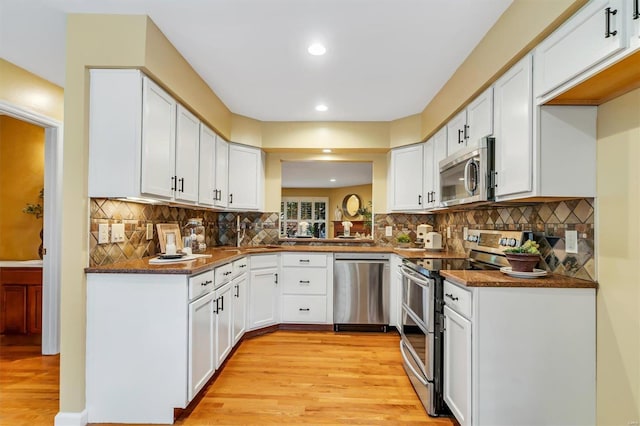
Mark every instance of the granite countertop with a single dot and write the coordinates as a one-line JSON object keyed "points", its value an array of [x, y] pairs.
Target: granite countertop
{"points": [[498, 279], [222, 255]]}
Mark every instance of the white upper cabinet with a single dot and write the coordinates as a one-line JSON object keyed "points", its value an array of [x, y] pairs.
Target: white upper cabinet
{"points": [[471, 124], [513, 129], [456, 132], [207, 169], [405, 173], [592, 35], [634, 15], [435, 150], [187, 155], [246, 177], [222, 173], [158, 141]]}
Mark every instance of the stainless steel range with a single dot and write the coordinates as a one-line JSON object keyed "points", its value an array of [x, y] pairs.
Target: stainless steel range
{"points": [[422, 327]]}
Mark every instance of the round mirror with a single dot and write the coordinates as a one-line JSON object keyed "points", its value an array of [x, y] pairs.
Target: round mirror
{"points": [[350, 206]]}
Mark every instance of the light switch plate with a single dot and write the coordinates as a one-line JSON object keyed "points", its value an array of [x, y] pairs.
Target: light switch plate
{"points": [[571, 241], [149, 231], [388, 231], [103, 233], [117, 233], [465, 233]]}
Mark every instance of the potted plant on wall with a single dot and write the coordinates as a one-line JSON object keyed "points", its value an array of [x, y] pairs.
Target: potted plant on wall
{"points": [[523, 258]]}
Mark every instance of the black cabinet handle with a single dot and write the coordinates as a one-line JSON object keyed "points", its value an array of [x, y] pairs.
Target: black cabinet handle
{"points": [[217, 308], [237, 291], [466, 133], [607, 22], [181, 180], [305, 282], [304, 261], [451, 296], [276, 278], [206, 283], [173, 182], [419, 200], [222, 304], [304, 309], [460, 132], [230, 198], [636, 9]]}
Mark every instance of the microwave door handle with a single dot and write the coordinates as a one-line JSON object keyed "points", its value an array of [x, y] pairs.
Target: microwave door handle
{"points": [[466, 177]]}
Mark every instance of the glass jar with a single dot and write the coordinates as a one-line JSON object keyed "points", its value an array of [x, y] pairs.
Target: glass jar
{"points": [[194, 235]]}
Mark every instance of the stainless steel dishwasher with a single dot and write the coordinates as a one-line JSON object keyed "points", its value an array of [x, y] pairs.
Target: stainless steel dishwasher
{"points": [[361, 292]]}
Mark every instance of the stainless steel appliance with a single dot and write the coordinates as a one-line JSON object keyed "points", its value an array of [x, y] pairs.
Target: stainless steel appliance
{"points": [[421, 343], [468, 175], [361, 291]]}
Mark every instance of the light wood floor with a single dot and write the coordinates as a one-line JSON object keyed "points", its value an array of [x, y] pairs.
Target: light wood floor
{"points": [[284, 377]]}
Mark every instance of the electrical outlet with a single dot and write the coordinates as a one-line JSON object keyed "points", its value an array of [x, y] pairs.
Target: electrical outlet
{"points": [[103, 233], [149, 231], [117, 233], [571, 241], [448, 232], [465, 233], [388, 231]]}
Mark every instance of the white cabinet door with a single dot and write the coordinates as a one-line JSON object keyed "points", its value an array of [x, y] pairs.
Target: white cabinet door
{"points": [[587, 38], [635, 24], [202, 332], [222, 173], [439, 154], [224, 323], [263, 302], [245, 177], [406, 178], [457, 365], [187, 155], [480, 117], [456, 132], [158, 141], [239, 289], [207, 180], [513, 129]]}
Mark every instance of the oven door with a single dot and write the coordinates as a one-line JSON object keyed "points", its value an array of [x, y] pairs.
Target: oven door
{"points": [[419, 342], [418, 297], [424, 389]]}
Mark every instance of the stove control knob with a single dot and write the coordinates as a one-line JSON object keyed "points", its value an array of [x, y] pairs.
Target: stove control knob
{"points": [[512, 242]]}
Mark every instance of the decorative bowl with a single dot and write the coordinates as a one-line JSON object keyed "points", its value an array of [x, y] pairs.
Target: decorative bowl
{"points": [[522, 262]]}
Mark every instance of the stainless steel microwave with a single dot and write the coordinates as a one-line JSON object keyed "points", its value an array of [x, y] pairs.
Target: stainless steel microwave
{"points": [[468, 176]]}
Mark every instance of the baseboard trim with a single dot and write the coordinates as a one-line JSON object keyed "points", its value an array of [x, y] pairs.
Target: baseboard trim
{"points": [[72, 419]]}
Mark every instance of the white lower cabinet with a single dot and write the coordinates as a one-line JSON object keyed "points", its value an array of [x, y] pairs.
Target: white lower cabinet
{"points": [[224, 323], [307, 288], [202, 335], [239, 296], [457, 365], [513, 356], [264, 291]]}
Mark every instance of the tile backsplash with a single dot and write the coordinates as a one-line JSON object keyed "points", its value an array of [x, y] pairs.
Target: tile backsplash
{"points": [[548, 221]]}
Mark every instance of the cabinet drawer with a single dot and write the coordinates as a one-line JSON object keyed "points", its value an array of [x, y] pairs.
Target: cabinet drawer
{"points": [[457, 299], [301, 309], [264, 261], [200, 284], [301, 280], [223, 274], [304, 259], [239, 266]]}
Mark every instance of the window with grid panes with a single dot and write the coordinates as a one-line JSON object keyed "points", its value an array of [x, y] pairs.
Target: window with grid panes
{"points": [[312, 210]]}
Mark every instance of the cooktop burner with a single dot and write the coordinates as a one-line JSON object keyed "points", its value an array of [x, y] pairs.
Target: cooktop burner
{"points": [[431, 266]]}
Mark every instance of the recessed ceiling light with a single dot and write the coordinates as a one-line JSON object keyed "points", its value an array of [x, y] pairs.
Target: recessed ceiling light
{"points": [[332, 180], [326, 151], [321, 108], [317, 49]]}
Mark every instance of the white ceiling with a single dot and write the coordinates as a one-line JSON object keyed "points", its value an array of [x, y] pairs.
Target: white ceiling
{"points": [[317, 174], [385, 59]]}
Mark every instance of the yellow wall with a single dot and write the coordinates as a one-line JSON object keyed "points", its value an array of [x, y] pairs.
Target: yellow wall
{"points": [[246, 130], [21, 179], [405, 131], [28, 91], [618, 227], [520, 28], [335, 195]]}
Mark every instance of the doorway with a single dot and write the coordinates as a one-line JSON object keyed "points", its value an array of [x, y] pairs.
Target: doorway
{"points": [[52, 215]]}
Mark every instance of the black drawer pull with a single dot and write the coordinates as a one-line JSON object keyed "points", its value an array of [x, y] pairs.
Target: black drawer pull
{"points": [[304, 261], [451, 296], [305, 282], [304, 309], [206, 283]]}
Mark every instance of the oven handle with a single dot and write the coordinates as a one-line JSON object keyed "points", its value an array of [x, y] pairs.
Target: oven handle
{"points": [[413, 276], [408, 364]]}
